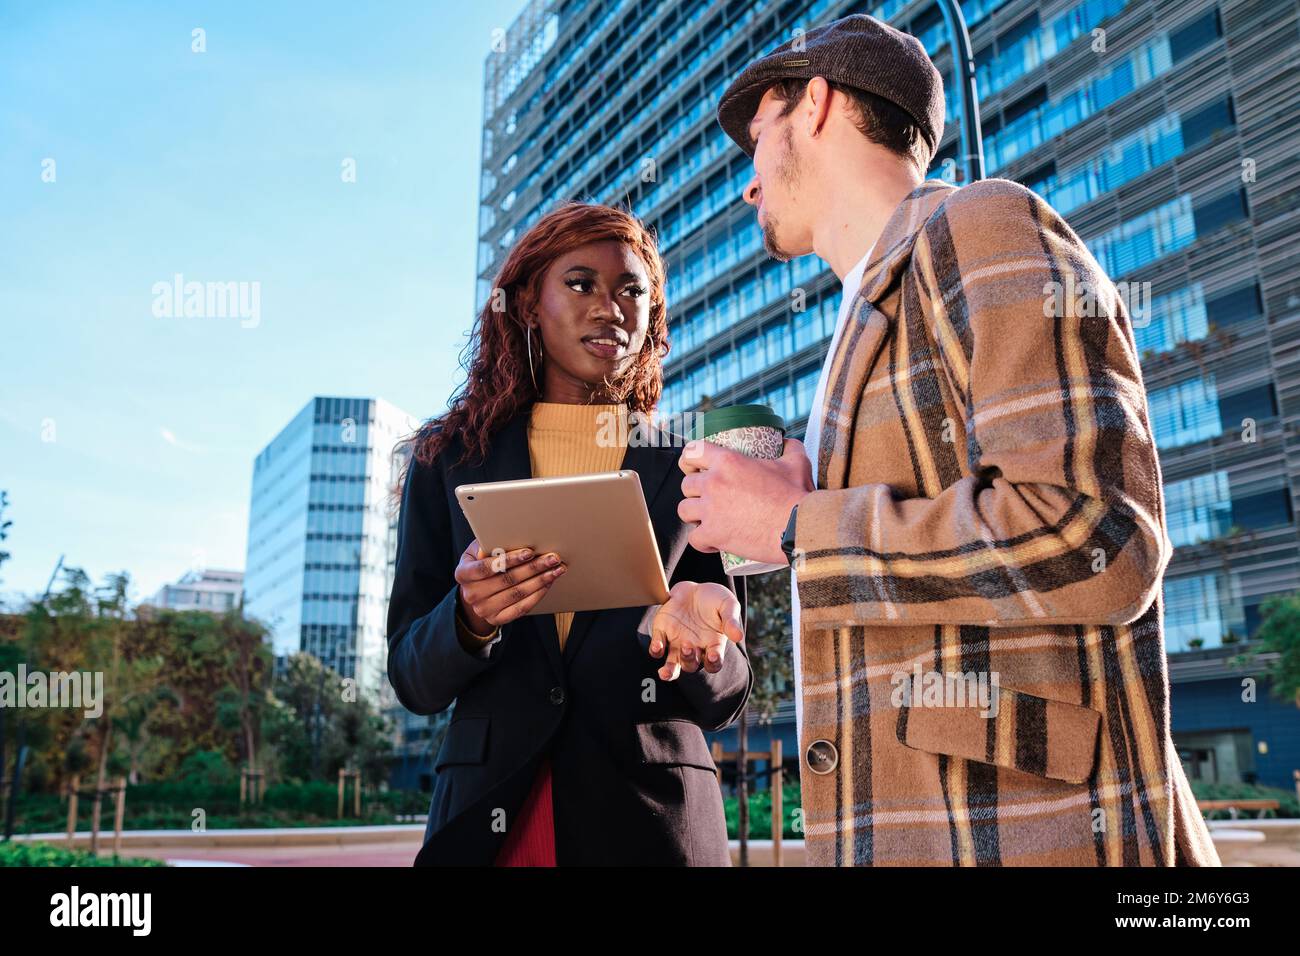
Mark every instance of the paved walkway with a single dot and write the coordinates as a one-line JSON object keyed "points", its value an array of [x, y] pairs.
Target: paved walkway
{"points": [[354, 854], [1275, 843]]}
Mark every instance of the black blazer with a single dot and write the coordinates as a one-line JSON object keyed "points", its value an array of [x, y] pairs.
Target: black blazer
{"points": [[632, 777]]}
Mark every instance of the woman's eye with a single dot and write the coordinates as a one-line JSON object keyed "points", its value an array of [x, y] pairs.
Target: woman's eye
{"points": [[635, 291], [573, 283]]}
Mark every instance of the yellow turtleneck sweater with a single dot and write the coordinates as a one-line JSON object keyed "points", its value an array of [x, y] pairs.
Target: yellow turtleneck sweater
{"points": [[562, 440]]}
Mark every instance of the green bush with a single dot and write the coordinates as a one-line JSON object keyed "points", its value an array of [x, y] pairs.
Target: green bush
{"points": [[47, 854], [170, 805], [1288, 807], [760, 814]]}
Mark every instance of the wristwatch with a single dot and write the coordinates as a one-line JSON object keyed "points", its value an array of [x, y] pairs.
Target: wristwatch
{"points": [[787, 538]]}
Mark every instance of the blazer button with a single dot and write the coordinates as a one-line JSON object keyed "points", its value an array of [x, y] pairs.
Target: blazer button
{"points": [[822, 756], [557, 696]]}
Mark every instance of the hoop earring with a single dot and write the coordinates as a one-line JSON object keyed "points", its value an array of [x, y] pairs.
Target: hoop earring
{"points": [[529, 339]]}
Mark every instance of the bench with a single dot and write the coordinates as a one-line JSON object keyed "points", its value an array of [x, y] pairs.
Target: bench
{"points": [[1235, 807]]}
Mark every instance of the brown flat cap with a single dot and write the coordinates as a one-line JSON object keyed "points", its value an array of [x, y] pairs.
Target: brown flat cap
{"points": [[858, 51]]}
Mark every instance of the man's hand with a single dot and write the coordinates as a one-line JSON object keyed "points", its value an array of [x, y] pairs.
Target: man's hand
{"points": [[742, 504], [695, 625]]}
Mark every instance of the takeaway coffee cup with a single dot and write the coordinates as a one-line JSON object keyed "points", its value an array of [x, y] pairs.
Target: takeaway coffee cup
{"points": [[753, 430]]}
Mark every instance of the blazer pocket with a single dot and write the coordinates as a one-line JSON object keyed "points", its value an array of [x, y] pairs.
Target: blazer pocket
{"points": [[465, 742], [674, 743], [1031, 734]]}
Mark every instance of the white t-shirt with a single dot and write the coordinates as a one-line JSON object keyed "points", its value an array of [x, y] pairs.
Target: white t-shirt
{"points": [[812, 437]]}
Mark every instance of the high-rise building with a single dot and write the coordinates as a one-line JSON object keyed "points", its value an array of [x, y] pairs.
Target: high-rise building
{"points": [[320, 535], [1164, 130], [202, 590]]}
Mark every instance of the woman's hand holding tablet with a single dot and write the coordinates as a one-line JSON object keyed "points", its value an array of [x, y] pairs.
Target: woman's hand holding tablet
{"points": [[499, 588]]}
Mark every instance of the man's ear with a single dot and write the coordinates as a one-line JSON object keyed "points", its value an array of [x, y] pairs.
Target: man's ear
{"points": [[819, 104]]}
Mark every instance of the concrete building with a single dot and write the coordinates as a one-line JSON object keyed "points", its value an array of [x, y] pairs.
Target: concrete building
{"points": [[206, 590]]}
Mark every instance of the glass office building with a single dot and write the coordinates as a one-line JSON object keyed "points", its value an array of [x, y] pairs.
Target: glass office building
{"points": [[1164, 131], [320, 535]]}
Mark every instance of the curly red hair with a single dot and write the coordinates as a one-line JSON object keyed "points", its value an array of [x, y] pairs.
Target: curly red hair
{"points": [[498, 385]]}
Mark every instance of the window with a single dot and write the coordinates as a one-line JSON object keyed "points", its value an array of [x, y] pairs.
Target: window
{"points": [[1215, 213], [1198, 509], [1038, 179], [1255, 403], [1178, 316], [1190, 38], [1024, 105], [1236, 305], [1204, 123], [1200, 609], [1185, 413], [806, 328], [1265, 510], [949, 152], [930, 18], [1024, 28], [751, 356]]}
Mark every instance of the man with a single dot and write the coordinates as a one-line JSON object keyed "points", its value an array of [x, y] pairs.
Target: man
{"points": [[978, 506]]}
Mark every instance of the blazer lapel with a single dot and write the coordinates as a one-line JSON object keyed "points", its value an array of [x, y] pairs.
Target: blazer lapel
{"points": [[510, 460], [867, 330], [652, 463]]}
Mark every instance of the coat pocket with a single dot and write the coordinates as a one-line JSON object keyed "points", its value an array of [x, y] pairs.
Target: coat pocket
{"points": [[465, 743], [1024, 732], [677, 743]]}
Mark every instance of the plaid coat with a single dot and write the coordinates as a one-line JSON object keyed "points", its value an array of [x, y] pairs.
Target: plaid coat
{"points": [[988, 508]]}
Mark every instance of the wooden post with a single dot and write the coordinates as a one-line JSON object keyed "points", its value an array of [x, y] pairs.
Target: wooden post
{"points": [[340, 813], [356, 793], [72, 807], [94, 813], [117, 816], [778, 810], [243, 787]]}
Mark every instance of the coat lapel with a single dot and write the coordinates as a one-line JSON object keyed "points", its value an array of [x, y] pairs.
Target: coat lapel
{"points": [[510, 460], [867, 330], [652, 462]]}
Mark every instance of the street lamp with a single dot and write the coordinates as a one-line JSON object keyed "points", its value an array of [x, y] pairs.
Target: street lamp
{"points": [[971, 157]]}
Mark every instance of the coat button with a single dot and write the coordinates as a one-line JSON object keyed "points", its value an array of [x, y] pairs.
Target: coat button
{"points": [[822, 756], [557, 695]]}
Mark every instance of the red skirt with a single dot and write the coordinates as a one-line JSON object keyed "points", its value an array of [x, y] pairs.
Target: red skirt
{"points": [[531, 841]]}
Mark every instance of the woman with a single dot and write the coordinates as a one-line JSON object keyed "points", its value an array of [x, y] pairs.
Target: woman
{"points": [[569, 744]]}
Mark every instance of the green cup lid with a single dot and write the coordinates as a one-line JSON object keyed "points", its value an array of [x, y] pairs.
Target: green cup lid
{"points": [[735, 416]]}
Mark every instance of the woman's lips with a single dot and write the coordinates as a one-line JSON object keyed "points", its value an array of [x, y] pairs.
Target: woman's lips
{"points": [[601, 350]]}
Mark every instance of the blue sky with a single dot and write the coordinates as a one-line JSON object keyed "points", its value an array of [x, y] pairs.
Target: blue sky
{"points": [[127, 439]]}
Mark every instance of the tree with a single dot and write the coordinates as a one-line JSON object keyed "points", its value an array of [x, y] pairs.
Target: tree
{"points": [[318, 731], [4, 526], [1279, 634], [767, 641]]}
